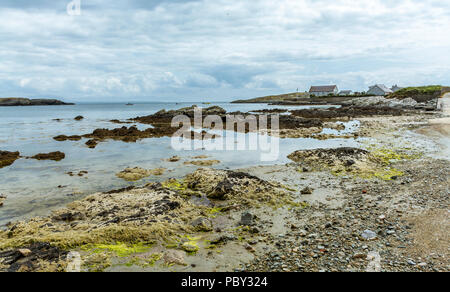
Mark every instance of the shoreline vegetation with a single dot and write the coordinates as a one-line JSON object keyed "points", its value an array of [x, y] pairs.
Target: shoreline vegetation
{"points": [[18, 101], [381, 207]]}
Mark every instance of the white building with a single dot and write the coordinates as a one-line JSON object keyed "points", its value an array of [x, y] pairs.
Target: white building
{"points": [[323, 90], [379, 90], [346, 92], [396, 88]]}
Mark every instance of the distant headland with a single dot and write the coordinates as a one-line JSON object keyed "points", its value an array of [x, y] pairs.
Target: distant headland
{"points": [[19, 101]]}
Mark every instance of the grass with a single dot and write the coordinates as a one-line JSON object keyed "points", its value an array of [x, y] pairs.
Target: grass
{"points": [[417, 91], [272, 98]]}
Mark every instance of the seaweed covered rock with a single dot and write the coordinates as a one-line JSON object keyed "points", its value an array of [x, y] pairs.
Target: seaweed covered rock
{"points": [[8, 158], [55, 156], [202, 162], [92, 143], [340, 160], [329, 156], [2, 199], [36, 257], [131, 134], [137, 173], [138, 205], [62, 138], [237, 187], [355, 161], [164, 116], [349, 112], [132, 216]]}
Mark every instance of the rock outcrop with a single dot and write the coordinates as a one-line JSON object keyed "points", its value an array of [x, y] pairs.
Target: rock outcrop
{"points": [[16, 101]]}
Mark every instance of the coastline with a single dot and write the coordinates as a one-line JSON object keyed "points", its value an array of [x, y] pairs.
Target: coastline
{"points": [[206, 227], [18, 101]]}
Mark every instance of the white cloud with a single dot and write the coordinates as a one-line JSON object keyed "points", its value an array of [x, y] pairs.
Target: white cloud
{"points": [[141, 49]]}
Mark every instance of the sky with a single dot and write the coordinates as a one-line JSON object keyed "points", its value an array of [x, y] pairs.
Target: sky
{"points": [[217, 50]]}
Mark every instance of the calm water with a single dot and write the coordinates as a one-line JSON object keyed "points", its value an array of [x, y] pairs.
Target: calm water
{"points": [[33, 188]]}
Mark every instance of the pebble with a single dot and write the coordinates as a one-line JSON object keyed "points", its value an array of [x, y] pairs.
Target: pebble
{"points": [[25, 252], [368, 235], [246, 219]]}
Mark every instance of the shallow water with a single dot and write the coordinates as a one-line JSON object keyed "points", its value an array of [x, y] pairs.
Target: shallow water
{"points": [[35, 187]]}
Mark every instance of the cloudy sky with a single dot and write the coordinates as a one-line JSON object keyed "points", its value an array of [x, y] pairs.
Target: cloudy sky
{"points": [[175, 50]]}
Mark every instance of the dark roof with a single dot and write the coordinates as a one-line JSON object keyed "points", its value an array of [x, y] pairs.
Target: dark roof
{"points": [[326, 88]]}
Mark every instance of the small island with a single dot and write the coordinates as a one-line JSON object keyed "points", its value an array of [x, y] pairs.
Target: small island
{"points": [[19, 101]]}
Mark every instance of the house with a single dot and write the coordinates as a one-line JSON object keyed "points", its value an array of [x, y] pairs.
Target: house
{"points": [[324, 90], [346, 92], [379, 90], [396, 88]]}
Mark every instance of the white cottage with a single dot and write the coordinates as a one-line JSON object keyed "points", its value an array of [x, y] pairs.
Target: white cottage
{"points": [[346, 92], [324, 90], [396, 88], [379, 90]]}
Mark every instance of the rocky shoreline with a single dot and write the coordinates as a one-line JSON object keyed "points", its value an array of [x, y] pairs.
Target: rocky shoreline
{"points": [[380, 208]]}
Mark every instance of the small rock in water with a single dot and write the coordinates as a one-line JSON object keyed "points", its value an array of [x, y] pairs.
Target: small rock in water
{"points": [[2, 199], [174, 159], [411, 262]]}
